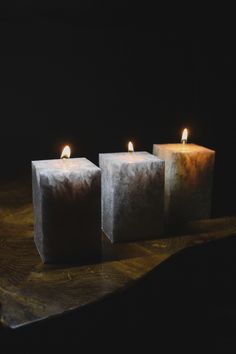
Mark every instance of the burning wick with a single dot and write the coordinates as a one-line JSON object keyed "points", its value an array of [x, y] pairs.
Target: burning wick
{"points": [[130, 147], [184, 136], [66, 152]]}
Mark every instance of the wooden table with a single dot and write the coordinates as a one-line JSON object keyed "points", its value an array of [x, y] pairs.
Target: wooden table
{"points": [[31, 291]]}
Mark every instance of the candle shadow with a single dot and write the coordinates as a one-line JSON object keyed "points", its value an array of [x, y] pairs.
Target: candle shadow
{"points": [[122, 250], [204, 226], [197, 231], [109, 252]]}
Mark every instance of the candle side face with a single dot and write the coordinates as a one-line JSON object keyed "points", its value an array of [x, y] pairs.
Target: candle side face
{"points": [[132, 196], [37, 202], [67, 210], [107, 194], [188, 181]]}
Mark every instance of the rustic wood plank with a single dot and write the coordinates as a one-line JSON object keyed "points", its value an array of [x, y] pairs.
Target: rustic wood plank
{"points": [[31, 291]]}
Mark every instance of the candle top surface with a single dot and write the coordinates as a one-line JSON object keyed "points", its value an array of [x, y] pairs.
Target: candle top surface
{"points": [[130, 157], [65, 165], [184, 148]]}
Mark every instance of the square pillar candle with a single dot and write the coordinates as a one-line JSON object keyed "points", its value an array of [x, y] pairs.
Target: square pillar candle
{"points": [[132, 195], [188, 180], [67, 211]]}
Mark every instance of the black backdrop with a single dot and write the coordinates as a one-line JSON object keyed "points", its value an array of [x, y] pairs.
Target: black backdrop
{"points": [[95, 74]]}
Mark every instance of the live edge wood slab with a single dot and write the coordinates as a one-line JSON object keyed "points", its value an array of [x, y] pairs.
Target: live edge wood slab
{"points": [[31, 291]]}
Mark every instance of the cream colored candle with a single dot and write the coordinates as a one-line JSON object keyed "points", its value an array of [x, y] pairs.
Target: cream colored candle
{"points": [[188, 180]]}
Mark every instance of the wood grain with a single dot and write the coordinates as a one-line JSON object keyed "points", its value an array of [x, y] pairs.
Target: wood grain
{"points": [[31, 291]]}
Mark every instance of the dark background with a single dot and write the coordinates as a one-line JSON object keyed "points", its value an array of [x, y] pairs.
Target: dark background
{"points": [[95, 74]]}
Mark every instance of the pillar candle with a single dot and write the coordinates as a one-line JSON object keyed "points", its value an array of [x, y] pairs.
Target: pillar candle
{"points": [[188, 180], [132, 195], [67, 212]]}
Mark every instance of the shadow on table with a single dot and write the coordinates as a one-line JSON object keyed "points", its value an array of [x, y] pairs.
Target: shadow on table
{"points": [[187, 304]]}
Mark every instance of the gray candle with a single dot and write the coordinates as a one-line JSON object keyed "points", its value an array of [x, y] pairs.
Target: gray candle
{"points": [[67, 212], [132, 195], [188, 180]]}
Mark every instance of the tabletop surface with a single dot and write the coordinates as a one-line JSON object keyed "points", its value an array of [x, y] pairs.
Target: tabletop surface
{"points": [[31, 291]]}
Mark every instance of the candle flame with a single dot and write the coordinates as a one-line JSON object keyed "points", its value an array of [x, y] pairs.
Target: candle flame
{"points": [[184, 136], [130, 147], [66, 152]]}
